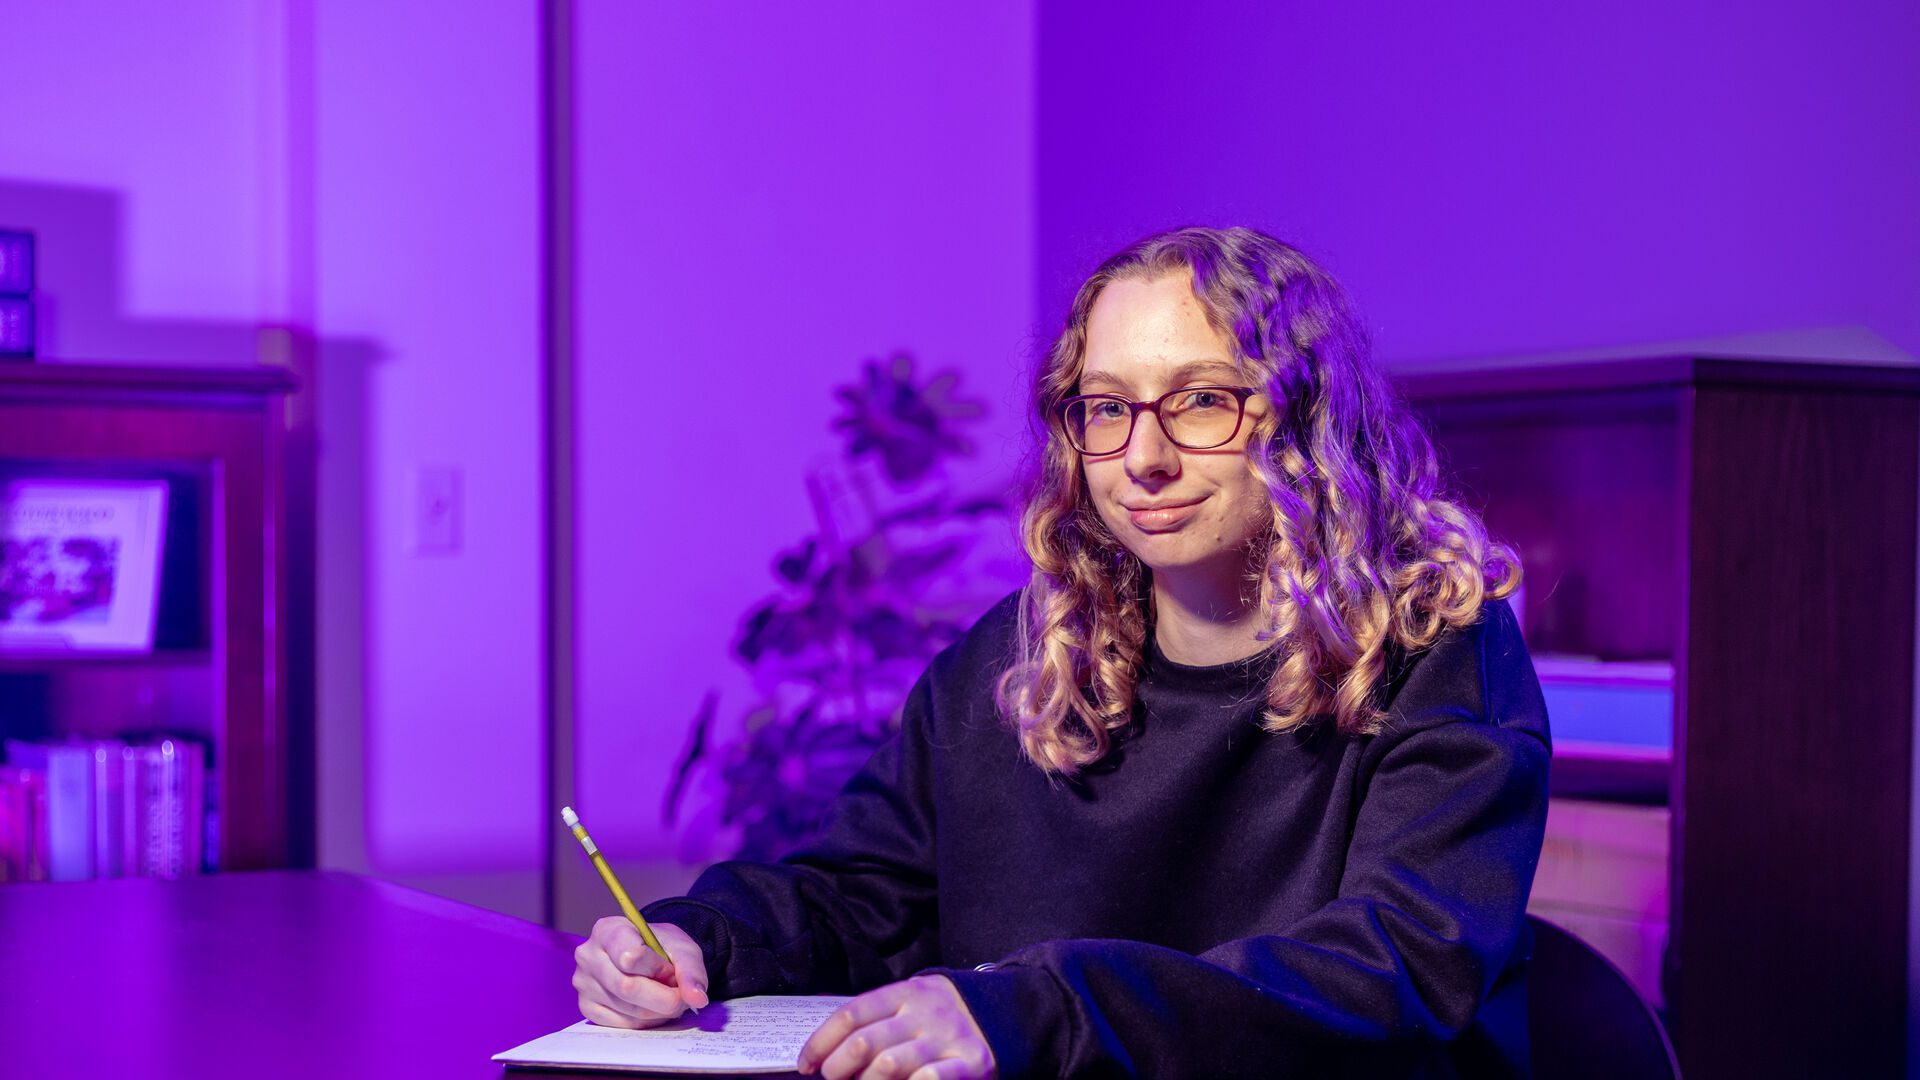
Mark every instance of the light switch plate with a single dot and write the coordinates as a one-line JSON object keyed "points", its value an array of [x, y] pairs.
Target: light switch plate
{"points": [[436, 510]]}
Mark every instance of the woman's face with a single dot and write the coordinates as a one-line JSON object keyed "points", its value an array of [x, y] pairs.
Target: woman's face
{"points": [[1187, 514]]}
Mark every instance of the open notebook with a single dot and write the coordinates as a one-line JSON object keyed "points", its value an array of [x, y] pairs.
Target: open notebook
{"points": [[745, 1035]]}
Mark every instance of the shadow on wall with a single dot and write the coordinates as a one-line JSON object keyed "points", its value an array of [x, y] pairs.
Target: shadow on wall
{"points": [[80, 316], [334, 455], [78, 305]]}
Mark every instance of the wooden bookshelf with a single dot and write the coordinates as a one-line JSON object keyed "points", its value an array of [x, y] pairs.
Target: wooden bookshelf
{"points": [[1749, 525], [219, 668]]}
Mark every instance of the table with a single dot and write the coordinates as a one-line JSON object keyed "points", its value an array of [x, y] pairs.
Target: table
{"points": [[271, 973]]}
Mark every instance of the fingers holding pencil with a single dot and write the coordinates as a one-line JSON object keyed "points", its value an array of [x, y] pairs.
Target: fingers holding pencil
{"points": [[685, 969], [623, 983]]}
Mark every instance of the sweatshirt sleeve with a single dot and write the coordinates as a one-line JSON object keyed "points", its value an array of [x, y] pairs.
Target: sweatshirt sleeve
{"points": [[1430, 908], [853, 910]]}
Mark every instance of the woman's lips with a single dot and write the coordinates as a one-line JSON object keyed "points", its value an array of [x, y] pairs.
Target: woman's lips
{"points": [[1163, 518]]}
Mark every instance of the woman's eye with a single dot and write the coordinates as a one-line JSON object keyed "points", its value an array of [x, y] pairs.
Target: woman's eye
{"points": [[1107, 411], [1204, 399]]}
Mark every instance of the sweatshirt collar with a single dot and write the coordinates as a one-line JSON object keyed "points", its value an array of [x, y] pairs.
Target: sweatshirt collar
{"points": [[1236, 676]]}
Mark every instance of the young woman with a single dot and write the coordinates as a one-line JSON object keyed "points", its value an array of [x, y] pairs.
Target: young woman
{"points": [[1249, 780]]}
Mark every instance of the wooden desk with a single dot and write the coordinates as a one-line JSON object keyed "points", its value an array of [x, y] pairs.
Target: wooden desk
{"points": [[270, 974]]}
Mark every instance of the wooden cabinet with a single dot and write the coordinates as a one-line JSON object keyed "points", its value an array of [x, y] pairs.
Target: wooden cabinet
{"points": [[1749, 526], [219, 670]]}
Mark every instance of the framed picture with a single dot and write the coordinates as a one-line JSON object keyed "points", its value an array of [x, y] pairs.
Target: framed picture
{"points": [[80, 564]]}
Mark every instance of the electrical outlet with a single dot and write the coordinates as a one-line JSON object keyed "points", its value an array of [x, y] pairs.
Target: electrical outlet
{"points": [[436, 510]]}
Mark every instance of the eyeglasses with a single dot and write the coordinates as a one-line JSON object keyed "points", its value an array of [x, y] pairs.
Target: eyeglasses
{"points": [[1192, 417]]}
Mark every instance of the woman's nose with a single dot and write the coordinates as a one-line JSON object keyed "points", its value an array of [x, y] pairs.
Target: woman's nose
{"points": [[1150, 453]]}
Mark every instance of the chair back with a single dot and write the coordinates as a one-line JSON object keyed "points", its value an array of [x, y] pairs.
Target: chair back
{"points": [[1585, 1020]]}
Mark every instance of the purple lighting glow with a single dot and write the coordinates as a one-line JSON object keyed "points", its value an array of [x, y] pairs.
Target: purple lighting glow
{"points": [[694, 221]]}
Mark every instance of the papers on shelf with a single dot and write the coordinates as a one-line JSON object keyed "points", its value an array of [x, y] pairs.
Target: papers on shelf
{"points": [[1625, 707], [1591, 671]]}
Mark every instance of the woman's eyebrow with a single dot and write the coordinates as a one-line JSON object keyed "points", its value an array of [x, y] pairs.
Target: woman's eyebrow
{"points": [[1216, 368], [1183, 374], [1102, 378]]}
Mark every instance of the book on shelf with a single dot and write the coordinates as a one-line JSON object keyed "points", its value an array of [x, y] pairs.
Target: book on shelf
{"points": [[16, 262], [23, 812], [16, 294], [67, 828], [166, 801], [16, 328], [103, 808]]}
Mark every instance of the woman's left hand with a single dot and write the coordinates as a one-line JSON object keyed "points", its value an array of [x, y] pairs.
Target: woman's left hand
{"points": [[918, 1029]]}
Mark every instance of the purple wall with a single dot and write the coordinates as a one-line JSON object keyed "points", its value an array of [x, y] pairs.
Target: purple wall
{"points": [[1509, 178], [136, 143], [768, 197], [426, 218]]}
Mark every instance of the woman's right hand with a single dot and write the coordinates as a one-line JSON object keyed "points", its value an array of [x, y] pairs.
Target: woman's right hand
{"points": [[623, 983]]}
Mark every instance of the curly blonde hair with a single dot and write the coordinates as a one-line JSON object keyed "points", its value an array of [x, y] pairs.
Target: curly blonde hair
{"points": [[1364, 552]]}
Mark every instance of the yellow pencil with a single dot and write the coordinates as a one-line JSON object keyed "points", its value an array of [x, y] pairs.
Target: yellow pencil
{"points": [[633, 914]]}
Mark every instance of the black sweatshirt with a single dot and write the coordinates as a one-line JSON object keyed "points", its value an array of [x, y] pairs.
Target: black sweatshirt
{"points": [[1210, 900]]}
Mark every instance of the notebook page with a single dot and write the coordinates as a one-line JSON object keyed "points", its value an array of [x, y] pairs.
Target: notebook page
{"points": [[762, 1034]]}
